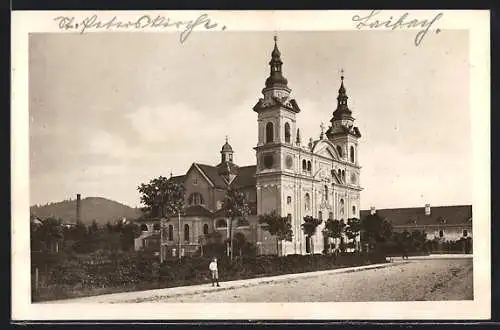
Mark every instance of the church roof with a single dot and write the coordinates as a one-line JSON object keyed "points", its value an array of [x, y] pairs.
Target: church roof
{"points": [[245, 177], [212, 172], [447, 215], [179, 179], [197, 210]]}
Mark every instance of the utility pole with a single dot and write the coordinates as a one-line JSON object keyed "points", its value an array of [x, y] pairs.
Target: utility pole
{"points": [[162, 215], [161, 241], [179, 232]]}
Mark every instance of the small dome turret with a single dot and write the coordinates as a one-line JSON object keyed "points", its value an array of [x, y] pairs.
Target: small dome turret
{"points": [[226, 152]]}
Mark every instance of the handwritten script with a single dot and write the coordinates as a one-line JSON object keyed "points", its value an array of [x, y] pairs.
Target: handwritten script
{"points": [[402, 22], [141, 23]]}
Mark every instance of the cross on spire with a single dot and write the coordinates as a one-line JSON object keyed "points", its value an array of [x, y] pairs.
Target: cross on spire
{"points": [[226, 138], [342, 74]]}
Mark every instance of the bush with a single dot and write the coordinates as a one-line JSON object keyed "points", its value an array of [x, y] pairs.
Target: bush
{"points": [[131, 270]]}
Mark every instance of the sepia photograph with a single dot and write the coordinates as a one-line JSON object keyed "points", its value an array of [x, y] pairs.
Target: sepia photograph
{"points": [[206, 164]]}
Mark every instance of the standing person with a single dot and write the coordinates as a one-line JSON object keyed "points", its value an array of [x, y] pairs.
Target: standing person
{"points": [[215, 271], [405, 253]]}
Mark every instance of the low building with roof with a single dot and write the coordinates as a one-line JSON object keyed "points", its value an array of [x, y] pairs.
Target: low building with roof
{"points": [[447, 223]]}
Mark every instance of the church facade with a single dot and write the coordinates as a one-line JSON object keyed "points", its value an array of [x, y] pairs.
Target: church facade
{"points": [[319, 177]]}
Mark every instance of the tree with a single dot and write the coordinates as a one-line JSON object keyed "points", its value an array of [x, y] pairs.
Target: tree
{"points": [[334, 228], [309, 227], [353, 229], [375, 230], [235, 207], [161, 197], [93, 228], [278, 226], [130, 231], [51, 233]]}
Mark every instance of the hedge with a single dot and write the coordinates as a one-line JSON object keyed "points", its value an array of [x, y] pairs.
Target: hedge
{"points": [[122, 272]]}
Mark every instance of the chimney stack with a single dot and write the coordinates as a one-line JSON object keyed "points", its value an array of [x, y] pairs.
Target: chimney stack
{"points": [[78, 207], [372, 210], [427, 209]]}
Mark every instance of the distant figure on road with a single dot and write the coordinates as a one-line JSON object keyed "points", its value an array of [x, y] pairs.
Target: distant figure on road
{"points": [[215, 271], [405, 254]]}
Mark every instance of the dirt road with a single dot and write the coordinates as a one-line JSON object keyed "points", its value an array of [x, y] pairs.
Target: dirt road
{"points": [[445, 279]]}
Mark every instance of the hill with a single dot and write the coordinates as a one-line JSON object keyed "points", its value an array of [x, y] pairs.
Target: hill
{"points": [[98, 208]]}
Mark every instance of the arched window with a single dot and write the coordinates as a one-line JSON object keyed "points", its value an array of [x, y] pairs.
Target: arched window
{"points": [[156, 226], [339, 174], [287, 132], [343, 175], [465, 233], [170, 232], [205, 229], [330, 216], [304, 165], [441, 234], [341, 206], [195, 199], [354, 210], [221, 223], [309, 167], [339, 150], [307, 202], [144, 227], [320, 215], [269, 132], [352, 154], [289, 200], [186, 232], [326, 192]]}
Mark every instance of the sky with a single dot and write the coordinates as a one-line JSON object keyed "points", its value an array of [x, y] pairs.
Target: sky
{"points": [[109, 111]]}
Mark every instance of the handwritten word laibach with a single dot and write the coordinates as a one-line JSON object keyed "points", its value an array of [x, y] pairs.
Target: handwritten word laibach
{"points": [[141, 23], [370, 22]]}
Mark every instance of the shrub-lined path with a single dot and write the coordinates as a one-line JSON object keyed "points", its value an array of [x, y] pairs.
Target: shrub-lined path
{"points": [[413, 280]]}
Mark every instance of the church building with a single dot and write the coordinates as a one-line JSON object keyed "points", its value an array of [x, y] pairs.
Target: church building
{"points": [[319, 177]]}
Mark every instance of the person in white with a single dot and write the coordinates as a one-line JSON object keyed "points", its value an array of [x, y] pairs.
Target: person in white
{"points": [[215, 272]]}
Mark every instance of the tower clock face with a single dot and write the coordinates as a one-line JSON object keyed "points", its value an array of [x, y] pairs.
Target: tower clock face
{"points": [[289, 162], [268, 160]]}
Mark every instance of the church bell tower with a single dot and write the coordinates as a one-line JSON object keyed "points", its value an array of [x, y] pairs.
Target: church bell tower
{"points": [[276, 135], [342, 132]]}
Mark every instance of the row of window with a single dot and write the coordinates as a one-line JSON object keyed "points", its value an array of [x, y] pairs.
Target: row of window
{"points": [[306, 165], [170, 230], [197, 199], [270, 132], [465, 233]]}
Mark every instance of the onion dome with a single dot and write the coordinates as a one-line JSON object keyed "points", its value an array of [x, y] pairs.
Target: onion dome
{"points": [[276, 78], [342, 111]]}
